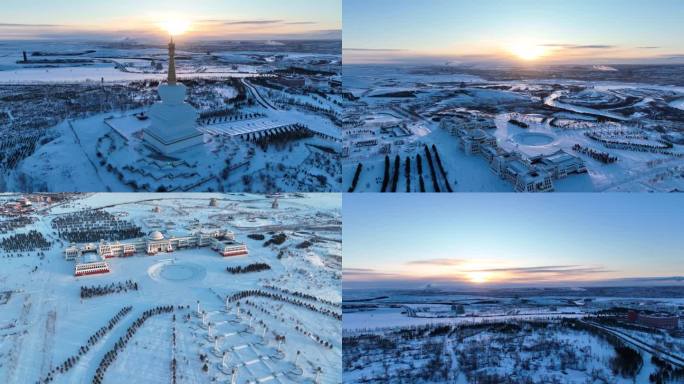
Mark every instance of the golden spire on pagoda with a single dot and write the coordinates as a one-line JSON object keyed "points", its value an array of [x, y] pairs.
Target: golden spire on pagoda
{"points": [[172, 62], [174, 28]]}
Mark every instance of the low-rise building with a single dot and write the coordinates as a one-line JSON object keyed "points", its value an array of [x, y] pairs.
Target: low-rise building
{"points": [[71, 253], [526, 177], [560, 164], [656, 320], [474, 140], [90, 264], [229, 247], [453, 124], [157, 242], [489, 152], [534, 174], [118, 249], [222, 241], [366, 143]]}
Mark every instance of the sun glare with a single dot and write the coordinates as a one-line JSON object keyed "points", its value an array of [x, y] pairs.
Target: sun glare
{"points": [[478, 277], [528, 52], [175, 27]]}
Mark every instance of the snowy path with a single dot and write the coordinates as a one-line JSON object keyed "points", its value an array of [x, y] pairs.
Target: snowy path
{"points": [[449, 350], [260, 99], [551, 101], [80, 145], [85, 369], [455, 375], [152, 345], [34, 317], [46, 322]]}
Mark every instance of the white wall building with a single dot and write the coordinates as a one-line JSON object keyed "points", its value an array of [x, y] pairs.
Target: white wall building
{"points": [[90, 264], [560, 164], [222, 241], [173, 122], [229, 248], [527, 175], [473, 141]]}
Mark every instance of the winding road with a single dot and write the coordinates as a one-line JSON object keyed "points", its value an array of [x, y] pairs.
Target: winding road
{"points": [[675, 360], [259, 99]]}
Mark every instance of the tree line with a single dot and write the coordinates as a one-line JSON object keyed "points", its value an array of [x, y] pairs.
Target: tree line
{"points": [[255, 267], [301, 295], [103, 290], [279, 297], [121, 344], [71, 361], [24, 242], [603, 157]]}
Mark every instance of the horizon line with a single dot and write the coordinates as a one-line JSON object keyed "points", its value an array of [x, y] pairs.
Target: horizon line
{"points": [[651, 281]]}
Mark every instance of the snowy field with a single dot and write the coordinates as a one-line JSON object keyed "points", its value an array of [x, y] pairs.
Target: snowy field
{"points": [[96, 74], [507, 352], [45, 322], [91, 100], [509, 336]]}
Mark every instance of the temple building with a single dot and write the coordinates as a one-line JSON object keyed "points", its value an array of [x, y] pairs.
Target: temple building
{"points": [[221, 241], [173, 122], [527, 174]]}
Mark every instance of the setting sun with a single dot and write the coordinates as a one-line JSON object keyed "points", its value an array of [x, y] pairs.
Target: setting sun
{"points": [[528, 52], [175, 27], [478, 277]]}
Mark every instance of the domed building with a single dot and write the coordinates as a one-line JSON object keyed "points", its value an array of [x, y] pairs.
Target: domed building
{"points": [[221, 241], [156, 242], [155, 235]]}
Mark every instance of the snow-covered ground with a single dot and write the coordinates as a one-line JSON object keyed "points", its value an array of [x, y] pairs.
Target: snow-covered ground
{"points": [[397, 110], [95, 74], [506, 337], [79, 98], [224, 162], [44, 321]]}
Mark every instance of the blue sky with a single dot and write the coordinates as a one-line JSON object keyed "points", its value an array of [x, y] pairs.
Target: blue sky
{"points": [[568, 31], [509, 239], [26, 19]]}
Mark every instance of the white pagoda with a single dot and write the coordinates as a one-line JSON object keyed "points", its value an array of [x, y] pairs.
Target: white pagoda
{"points": [[173, 126]]}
